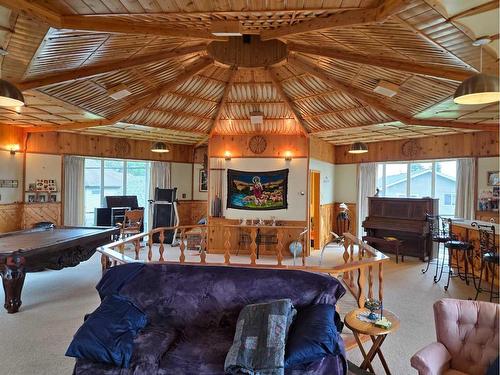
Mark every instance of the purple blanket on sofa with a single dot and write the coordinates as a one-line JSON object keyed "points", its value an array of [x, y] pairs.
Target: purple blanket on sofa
{"points": [[193, 312]]}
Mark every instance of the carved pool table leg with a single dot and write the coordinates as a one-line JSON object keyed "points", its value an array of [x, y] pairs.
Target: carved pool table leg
{"points": [[13, 280]]}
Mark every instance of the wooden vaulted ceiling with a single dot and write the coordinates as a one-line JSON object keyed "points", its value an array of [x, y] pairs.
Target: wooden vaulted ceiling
{"points": [[67, 54]]}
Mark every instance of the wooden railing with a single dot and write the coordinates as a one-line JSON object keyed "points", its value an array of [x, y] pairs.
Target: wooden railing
{"points": [[361, 266]]}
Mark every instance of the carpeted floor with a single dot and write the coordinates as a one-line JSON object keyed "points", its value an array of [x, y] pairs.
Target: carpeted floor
{"points": [[34, 340]]}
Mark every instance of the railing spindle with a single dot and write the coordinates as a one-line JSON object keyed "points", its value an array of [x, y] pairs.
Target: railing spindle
{"points": [[346, 275], [227, 246], [253, 246], [137, 248], [203, 246], [351, 258], [370, 282], [150, 247], [279, 246], [161, 249], [182, 246], [361, 287], [380, 282], [304, 241]]}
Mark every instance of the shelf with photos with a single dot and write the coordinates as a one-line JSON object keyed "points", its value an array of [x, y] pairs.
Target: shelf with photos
{"points": [[42, 191]]}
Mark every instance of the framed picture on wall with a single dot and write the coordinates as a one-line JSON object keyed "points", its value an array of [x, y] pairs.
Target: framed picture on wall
{"points": [[31, 198], [203, 183], [493, 178], [53, 197], [43, 197]]}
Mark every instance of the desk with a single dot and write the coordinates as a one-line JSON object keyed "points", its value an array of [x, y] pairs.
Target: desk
{"points": [[378, 336], [40, 249]]}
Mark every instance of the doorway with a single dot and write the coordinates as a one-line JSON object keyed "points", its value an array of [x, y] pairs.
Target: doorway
{"points": [[315, 178]]}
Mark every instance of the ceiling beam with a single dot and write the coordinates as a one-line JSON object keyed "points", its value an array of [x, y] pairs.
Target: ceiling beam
{"points": [[115, 25], [432, 70], [115, 65], [34, 9], [353, 17], [149, 98], [380, 105], [476, 10], [220, 106], [286, 99]]}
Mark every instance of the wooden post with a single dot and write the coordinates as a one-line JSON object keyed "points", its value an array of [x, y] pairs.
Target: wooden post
{"points": [[361, 287], [227, 246], [253, 246], [162, 246], [351, 257], [346, 275], [182, 247], [380, 282], [105, 263], [279, 246], [305, 241]]}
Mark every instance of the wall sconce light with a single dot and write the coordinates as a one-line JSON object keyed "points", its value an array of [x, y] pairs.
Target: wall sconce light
{"points": [[288, 156], [227, 156], [13, 148]]}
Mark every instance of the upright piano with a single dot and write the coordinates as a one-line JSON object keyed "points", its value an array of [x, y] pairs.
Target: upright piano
{"points": [[404, 219]]}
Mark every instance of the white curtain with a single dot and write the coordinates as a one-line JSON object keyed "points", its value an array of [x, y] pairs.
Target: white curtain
{"points": [[73, 191], [160, 177], [466, 175], [367, 184]]}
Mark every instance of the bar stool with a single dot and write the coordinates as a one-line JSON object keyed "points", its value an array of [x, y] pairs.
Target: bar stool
{"points": [[440, 235], [457, 247], [489, 257]]}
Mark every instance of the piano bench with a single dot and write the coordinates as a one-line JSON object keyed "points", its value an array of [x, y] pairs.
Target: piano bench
{"points": [[394, 245]]}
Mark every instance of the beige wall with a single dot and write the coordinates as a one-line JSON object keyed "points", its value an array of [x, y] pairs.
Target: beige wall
{"points": [[345, 183], [484, 165], [197, 194], [327, 178], [44, 167], [11, 168], [180, 174]]}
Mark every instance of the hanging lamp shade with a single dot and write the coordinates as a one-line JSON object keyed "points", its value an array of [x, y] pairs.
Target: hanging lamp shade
{"points": [[478, 89], [358, 148], [160, 147], [10, 96]]}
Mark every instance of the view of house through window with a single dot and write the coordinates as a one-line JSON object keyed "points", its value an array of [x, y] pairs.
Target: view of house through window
{"points": [[104, 177], [437, 179]]}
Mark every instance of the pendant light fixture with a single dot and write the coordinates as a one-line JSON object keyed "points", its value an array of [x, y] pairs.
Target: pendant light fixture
{"points": [[358, 148], [10, 96], [160, 147], [480, 88]]}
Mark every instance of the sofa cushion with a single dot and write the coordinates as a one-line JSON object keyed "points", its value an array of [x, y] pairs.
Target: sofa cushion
{"points": [[107, 335], [116, 277], [313, 335]]}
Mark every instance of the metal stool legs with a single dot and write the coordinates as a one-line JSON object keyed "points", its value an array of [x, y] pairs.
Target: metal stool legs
{"points": [[492, 286]]}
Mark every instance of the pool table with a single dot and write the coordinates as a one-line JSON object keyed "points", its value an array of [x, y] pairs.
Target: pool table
{"points": [[45, 248]]}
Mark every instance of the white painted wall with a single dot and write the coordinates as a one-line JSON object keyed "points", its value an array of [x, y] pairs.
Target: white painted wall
{"points": [[345, 183], [44, 167], [11, 168], [327, 175], [297, 186], [180, 174], [483, 166], [197, 194]]}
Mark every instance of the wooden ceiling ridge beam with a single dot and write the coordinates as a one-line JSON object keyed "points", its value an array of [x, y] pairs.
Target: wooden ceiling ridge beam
{"points": [[432, 70], [220, 105], [379, 105], [354, 17], [476, 10], [115, 65], [287, 100], [149, 98]]}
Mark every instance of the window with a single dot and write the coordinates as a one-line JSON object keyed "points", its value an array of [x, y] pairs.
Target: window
{"points": [[435, 179], [104, 177]]}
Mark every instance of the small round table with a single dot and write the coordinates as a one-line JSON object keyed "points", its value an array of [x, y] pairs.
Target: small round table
{"points": [[378, 335]]}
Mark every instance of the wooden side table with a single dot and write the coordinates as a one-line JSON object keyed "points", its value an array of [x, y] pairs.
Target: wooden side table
{"points": [[378, 335]]}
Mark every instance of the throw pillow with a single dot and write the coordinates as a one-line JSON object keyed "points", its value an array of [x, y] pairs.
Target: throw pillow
{"points": [[312, 336], [107, 335], [494, 367]]}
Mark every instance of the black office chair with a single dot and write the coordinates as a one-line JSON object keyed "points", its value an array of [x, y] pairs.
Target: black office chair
{"points": [[438, 227], [490, 258], [458, 249]]}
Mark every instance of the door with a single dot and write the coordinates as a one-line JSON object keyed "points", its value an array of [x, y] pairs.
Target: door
{"points": [[314, 210]]}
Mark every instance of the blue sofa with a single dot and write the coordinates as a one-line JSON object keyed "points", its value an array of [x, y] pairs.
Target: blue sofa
{"points": [[192, 313]]}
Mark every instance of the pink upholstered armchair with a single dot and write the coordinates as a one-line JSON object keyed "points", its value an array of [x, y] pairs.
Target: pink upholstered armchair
{"points": [[467, 339]]}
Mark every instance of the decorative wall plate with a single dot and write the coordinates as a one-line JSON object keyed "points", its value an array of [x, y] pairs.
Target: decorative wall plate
{"points": [[410, 148], [122, 147], [257, 144]]}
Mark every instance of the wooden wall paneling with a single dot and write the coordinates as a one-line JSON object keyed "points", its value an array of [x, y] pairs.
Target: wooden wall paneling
{"points": [[326, 212], [10, 135], [321, 150], [479, 144], [10, 217], [100, 146], [199, 154], [190, 212], [38, 212], [277, 145]]}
